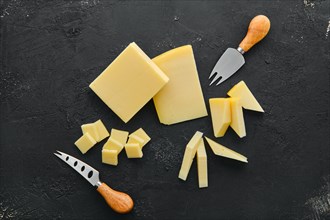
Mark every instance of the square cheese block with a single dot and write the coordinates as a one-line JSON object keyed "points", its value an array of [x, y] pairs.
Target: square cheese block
{"points": [[237, 118], [129, 82], [202, 165], [189, 155], [223, 151], [85, 142], [139, 135], [91, 130], [113, 144], [134, 139], [221, 115], [110, 157], [181, 99], [248, 101], [101, 130], [133, 151], [119, 135]]}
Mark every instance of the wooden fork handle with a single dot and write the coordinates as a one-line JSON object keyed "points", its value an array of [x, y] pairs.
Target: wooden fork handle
{"points": [[120, 202], [258, 29]]}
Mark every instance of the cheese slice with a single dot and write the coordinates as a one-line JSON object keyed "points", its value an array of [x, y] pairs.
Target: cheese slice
{"points": [[129, 82], [133, 150], [248, 101], [119, 135], [202, 165], [139, 136], [101, 130], [113, 144], [181, 99], [237, 118], [91, 130], [223, 151], [85, 142], [221, 115], [189, 155], [110, 157]]}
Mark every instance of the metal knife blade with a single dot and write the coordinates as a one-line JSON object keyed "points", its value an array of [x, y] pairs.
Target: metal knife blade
{"points": [[88, 172], [227, 65]]}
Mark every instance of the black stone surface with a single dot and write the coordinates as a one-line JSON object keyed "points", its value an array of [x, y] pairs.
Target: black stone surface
{"points": [[52, 50]]}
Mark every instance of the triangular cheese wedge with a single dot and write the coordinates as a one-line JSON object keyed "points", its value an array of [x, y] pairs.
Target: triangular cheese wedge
{"points": [[223, 151], [248, 101], [221, 115], [237, 118]]}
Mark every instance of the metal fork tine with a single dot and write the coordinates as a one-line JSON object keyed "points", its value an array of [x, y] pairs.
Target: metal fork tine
{"points": [[215, 78]]}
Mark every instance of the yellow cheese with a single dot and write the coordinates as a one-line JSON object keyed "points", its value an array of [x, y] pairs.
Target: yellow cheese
{"points": [[133, 151], [113, 144], [129, 82], [134, 139], [221, 115], [139, 136], [91, 130], [237, 118], [110, 157], [85, 142], [119, 135], [101, 130], [248, 101], [181, 99], [223, 151], [202, 165], [189, 155]]}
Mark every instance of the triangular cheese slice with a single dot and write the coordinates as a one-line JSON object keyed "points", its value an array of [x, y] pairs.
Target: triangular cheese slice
{"points": [[221, 115], [248, 101], [223, 151], [237, 118]]}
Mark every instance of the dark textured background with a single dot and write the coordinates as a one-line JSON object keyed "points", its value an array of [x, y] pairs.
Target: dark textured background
{"points": [[52, 50]]}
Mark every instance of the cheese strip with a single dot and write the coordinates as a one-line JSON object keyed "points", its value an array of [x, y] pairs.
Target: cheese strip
{"points": [[248, 101], [181, 99], [101, 130], [91, 130], [85, 142], [110, 157], [223, 151], [202, 165], [129, 82], [133, 151], [189, 155], [221, 115], [237, 118]]}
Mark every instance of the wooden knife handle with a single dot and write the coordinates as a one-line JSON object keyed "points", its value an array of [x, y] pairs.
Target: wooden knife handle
{"points": [[120, 202], [258, 29]]}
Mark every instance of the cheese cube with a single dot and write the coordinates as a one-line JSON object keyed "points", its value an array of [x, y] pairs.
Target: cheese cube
{"points": [[113, 144], [133, 151], [110, 157], [91, 130], [223, 151], [221, 115], [101, 130], [138, 136], [248, 101], [202, 165], [134, 139], [85, 142], [237, 118], [119, 135], [181, 99], [189, 155], [129, 82]]}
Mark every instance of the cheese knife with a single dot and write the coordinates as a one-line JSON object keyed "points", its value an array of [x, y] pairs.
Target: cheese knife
{"points": [[120, 202], [233, 59]]}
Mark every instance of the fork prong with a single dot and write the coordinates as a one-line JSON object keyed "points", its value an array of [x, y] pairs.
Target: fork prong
{"points": [[215, 79], [212, 74]]}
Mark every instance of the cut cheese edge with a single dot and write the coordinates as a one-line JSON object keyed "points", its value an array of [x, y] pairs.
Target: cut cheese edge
{"points": [[113, 144], [223, 151], [85, 142], [181, 99], [134, 139], [237, 118], [91, 130], [189, 155], [129, 82], [221, 115], [248, 101], [119, 135], [101, 130], [133, 150], [202, 165], [139, 136], [110, 157]]}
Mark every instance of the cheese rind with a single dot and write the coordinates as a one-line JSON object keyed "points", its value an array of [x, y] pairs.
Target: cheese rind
{"points": [[139, 136], [133, 150], [181, 99], [101, 130], [110, 157], [223, 151], [202, 165], [237, 118], [189, 155], [248, 101], [113, 144], [221, 115], [129, 82], [85, 142], [91, 130], [119, 135]]}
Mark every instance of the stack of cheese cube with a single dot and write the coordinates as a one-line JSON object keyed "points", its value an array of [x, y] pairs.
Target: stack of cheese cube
{"points": [[118, 141]]}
